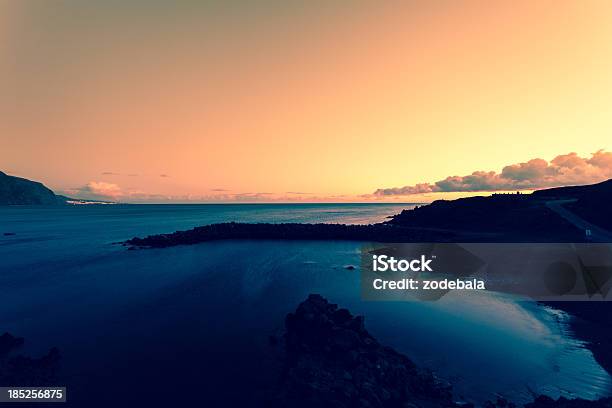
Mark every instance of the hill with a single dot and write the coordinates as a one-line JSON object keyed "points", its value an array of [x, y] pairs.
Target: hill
{"points": [[508, 215], [20, 191], [591, 202], [576, 192], [515, 214]]}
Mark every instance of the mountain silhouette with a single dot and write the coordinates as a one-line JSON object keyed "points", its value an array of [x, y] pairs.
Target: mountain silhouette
{"points": [[20, 191]]}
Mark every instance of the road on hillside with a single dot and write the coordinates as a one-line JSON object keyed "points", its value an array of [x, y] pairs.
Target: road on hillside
{"points": [[598, 234]]}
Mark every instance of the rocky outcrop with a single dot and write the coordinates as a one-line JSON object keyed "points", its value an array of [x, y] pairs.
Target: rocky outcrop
{"points": [[498, 218], [290, 231], [332, 361], [24, 371], [9, 342]]}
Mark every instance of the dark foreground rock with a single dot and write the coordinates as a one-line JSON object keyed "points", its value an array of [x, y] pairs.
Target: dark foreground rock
{"points": [[8, 342], [332, 361], [22, 370]]}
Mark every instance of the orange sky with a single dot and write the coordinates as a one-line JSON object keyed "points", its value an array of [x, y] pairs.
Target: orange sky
{"points": [[259, 101]]}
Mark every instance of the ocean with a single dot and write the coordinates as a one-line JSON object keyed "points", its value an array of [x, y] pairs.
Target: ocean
{"points": [[192, 323]]}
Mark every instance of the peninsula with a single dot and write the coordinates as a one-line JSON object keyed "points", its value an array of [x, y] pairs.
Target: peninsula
{"points": [[567, 214]]}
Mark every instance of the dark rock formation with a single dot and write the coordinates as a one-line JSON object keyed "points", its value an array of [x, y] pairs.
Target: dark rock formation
{"points": [[498, 218], [544, 227], [232, 230], [25, 371], [332, 361], [20, 191], [8, 342]]}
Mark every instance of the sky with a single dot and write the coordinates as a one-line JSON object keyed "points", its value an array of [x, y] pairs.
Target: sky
{"points": [[198, 101]]}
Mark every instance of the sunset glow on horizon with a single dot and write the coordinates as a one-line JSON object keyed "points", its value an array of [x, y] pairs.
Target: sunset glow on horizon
{"points": [[318, 101]]}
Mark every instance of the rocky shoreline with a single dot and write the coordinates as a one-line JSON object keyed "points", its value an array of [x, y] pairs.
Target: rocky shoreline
{"points": [[591, 323], [497, 218], [291, 231], [382, 232], [330, 360], [24, 370]]}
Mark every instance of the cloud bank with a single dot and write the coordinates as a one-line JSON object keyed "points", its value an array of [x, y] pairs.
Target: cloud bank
{"points": [[566, 169], [104, 191], [98, 190]]}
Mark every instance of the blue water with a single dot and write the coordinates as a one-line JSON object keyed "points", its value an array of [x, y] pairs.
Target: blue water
{"points": [[191, 323]]}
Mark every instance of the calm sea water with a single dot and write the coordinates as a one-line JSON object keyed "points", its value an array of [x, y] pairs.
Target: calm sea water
{"points": [[191, 323]]}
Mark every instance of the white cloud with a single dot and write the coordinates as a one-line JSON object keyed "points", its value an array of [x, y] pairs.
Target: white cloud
{"points": [[566, 169]]}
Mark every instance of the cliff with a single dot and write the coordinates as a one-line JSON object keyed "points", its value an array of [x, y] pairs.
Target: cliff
{"points": [[20, 191]]}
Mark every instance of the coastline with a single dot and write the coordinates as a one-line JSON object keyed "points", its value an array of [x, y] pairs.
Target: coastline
{"points": [[406, 228], [588, 323], [591, 325], [330, 356], [381, 232]]}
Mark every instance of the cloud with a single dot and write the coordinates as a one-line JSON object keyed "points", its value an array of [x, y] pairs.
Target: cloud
{"points": [[566, 169], [100, 190], [164, 175], [218, 189], [297, 192], [97, 190]]}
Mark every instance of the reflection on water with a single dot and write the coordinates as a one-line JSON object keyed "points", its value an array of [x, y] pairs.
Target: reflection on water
{"points": [[200, 316]]}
